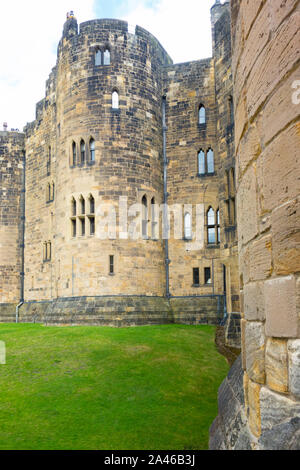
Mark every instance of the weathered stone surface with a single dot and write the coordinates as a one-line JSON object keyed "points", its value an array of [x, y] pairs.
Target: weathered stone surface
{"points": [[283, 436], [277, 365], [261, 259], [294, 367], [254, 307], [286, 235], [255, 351], [276, 59], [230, 430], [280, 305], [275, 409], [254, 414], [247, 206]]}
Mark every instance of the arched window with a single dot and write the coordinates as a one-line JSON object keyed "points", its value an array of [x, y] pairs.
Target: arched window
{"points": [[154, 223], [92, 150], [48, 193], [82, 152], [202, 114], [73, 207], [211, 231], [144, 217], [82, 205], [187, 226], [201, 163], [106, 57], [73, 153], [230, 196], [115, 100], [91, 204], [98, 57], [52, 191], [210, 161]]}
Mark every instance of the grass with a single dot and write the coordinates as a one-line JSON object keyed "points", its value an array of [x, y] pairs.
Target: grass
{"points": [[152, 388]]}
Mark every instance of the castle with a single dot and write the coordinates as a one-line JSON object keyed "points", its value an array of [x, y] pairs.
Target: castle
{"points": [[119, 119]]}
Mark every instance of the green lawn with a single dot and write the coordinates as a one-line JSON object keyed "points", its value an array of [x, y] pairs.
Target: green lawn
{"points": [[149, 388]]}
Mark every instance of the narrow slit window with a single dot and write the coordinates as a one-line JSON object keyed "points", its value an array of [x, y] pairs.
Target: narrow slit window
{"points": [[144, 217], [92, 150], [82, 226], [82, 152], [115, 100], [154, 220], [207, 276], [202, 114], [111, 264], [98, 57], [44, 251], [52, 191], [211, 232], [201, 163], [187, 226], [92, 205], [73, 207], [106, 57], [73, 154], [48, 258], [196, 277], [48, 193], [73, 227], [82, 205], [210, 161], [92, 225]]}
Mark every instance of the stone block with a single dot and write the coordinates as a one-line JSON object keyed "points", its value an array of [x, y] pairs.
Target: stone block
{"points": [[249, 148], [255, 351], [285, 436], [254, 303], [277, 365], [275, 61], [261, 259], [280, 306], [286, 112], [254, 416], [249, 11], [286, 238], [276, 409], [294, 367], [247, 207], [279, 10]]}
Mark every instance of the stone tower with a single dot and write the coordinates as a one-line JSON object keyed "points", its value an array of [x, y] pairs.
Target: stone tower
{"points": [[11, 220]]}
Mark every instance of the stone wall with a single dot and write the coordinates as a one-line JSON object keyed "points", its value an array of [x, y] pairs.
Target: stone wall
{"points": [[119, 311], [265, 65], [11, 171]]}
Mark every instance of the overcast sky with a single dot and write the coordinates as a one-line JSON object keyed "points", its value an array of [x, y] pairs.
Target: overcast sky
{"points": [[30, 31]]}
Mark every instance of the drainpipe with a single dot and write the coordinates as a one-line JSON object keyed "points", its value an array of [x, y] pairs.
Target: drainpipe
{"points": [[165, 210], [22, 237]]}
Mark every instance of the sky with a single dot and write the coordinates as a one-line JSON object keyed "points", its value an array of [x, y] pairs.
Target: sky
{"points": [[30, 31]]}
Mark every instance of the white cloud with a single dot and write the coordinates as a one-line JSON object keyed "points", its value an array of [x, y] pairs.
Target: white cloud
{"points": [[182, 27], [30, 31], [29, 34]]}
